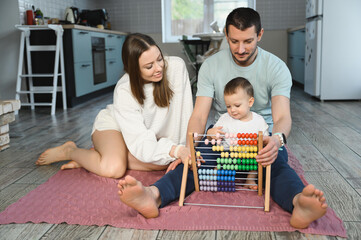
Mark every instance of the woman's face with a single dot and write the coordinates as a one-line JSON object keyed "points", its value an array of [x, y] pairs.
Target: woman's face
{"points": [[151, 65]]}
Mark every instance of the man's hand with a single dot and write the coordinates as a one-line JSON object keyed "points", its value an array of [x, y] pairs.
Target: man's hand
{"points": [[270, 152]]}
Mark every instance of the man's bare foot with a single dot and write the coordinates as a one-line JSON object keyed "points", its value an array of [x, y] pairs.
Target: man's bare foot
{"points": [[145, 200], [70, 165], [309, 205], [56, 154]]}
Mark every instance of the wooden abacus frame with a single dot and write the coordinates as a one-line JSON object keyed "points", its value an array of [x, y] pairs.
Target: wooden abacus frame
{"points": [[195, 174]]}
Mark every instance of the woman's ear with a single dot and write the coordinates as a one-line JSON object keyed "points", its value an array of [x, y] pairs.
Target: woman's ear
{"points": [[251, 101]]}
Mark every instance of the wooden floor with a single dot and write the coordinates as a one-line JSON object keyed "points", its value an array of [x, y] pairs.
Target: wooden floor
{"points": [[326, 138]]}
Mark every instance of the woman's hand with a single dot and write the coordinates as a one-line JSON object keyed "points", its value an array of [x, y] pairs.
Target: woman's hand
{"points": [[183, 156], [270, 152]]}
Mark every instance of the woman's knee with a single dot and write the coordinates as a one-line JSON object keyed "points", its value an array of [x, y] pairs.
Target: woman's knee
{"points": [[113, 169]]}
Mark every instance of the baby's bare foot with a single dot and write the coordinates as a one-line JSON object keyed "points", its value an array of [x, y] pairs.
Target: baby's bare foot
{"points": [[251, 182], [56, 154], [309, 205], [70, 165], [135, 195]]}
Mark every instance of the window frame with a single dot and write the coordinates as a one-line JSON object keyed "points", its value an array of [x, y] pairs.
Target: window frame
{"points": [[208, 11]]}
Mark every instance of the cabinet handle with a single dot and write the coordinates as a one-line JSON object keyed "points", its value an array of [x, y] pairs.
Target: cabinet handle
{"points": [[118, 36], [111, 62], [85, 65], [110, 36], [111, 49], [291, 57], [83, 32]]}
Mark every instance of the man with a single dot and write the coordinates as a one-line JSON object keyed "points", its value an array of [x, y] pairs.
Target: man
{"points": [[272, 84]]}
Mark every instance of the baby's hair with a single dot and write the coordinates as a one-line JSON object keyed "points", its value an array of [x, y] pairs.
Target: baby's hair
{"points": [[237, 83]]}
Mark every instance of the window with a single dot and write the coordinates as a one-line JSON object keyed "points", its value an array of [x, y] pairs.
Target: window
{"points": [[188, 17]]}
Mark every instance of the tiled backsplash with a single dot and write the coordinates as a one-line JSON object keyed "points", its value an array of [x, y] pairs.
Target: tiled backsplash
{"points": [[53, 8], [145, 15]]}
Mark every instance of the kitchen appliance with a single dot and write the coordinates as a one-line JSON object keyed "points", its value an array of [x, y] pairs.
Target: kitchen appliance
{"points": [[72, 15], [99, 64], [333, 51], [94, 17]]}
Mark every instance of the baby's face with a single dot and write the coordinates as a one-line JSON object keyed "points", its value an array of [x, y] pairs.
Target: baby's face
{"points": [[239, 105]]}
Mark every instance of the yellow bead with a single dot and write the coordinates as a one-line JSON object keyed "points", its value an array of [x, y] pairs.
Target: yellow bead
{"points": [[247, 149], [222, 154], [222, 148], [254, 155], [213, 148], [247, 155], [239, 148], [231, 148], [226, 154], [232, 154], [198, 154], [243, 149], [218, 148], [255, 149], [236, 154], [243, 155]]}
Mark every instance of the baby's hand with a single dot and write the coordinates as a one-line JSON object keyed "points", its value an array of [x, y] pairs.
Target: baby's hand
{"points": [[214, 131]]}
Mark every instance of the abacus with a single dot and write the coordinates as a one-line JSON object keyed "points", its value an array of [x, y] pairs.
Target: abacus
{"points": [[223, 173]]}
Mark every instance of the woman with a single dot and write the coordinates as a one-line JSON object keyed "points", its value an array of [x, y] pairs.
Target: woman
{"points": [[145, 127]]}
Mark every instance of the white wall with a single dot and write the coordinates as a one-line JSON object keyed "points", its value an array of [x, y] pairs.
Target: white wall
{"points": [[9, 48]]}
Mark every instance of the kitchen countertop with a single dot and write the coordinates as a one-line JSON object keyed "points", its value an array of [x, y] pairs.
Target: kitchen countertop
{"points": [[94, 29], [296, 28]]}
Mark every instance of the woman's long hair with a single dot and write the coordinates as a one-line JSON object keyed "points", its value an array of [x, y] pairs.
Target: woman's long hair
{"points": [[134, 46]]}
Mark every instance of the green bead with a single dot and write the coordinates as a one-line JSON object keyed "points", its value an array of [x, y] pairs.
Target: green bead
{"points": [[218, 166], [234, 161], [239, 161], [255, 167], [218, 160], [247, 167], [247, 161], [232, 167], [222, 160], [243, 167], [236, 167]]}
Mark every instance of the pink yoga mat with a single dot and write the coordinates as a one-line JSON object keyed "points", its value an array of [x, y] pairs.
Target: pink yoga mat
{"points": [[79, 197]]}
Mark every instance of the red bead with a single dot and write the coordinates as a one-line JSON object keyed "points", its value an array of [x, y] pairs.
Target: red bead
{"points": [[254, 135], [250, 142], [255, 142], [243, 142], [238, 135], [242, 135], [247, 135], [247, 142], [239, 142]]}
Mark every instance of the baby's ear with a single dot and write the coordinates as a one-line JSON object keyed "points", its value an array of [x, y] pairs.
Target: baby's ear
{"points": [[251, 101]]}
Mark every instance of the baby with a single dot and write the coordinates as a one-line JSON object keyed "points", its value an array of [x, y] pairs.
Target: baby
{"points": [[238, 96]]}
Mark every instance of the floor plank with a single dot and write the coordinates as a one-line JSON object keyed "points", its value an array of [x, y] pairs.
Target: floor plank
{"points": [[189, 235], [23, 231]]}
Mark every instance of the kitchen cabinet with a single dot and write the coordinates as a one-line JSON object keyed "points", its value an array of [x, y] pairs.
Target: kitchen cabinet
{"points": [[93, 61], [296, 53]]}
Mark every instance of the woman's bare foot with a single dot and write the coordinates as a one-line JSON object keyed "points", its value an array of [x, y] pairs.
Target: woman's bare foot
{"points": [[56, 154], [309, 205], [70, 165], [145, 200]]}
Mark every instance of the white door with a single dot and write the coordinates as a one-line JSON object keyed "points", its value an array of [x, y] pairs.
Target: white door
{"points": [[313, 57]]}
